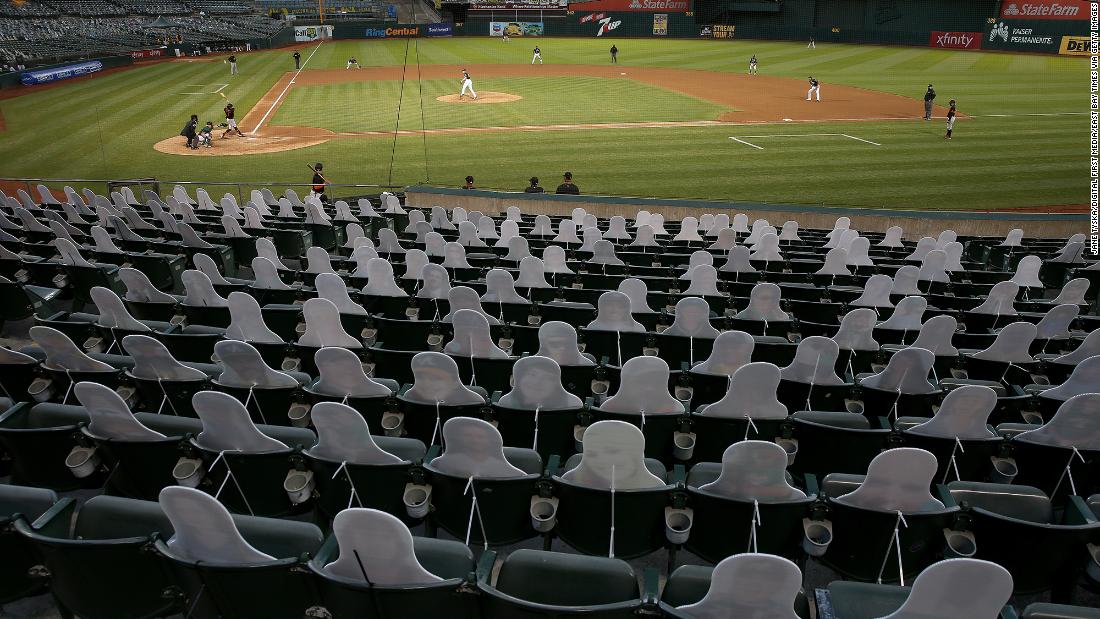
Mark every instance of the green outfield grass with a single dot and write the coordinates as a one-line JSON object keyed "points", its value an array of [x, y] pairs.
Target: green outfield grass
{"points": [[105, 127], [590, 100]]}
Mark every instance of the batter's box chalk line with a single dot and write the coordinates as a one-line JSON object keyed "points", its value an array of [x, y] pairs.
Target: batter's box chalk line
{"points": [[744, 139]]}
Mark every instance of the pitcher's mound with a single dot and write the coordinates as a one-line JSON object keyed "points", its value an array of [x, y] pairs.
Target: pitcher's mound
{"points": [[482, 97]]}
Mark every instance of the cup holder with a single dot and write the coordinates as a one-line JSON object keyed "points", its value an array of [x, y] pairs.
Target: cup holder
{"points": [[683, 445], [960, 544], [578, 437], [189, 472], [435, 342], [789, 445], [650, 351], [41, 389], [291, 364], [684, 394], [1004, 470], [678, 524], [393, 424], [854, 406], [299, 414], [417, 499], [299, 486], [818, 534], [600, 387], [544, 513], [300, 328], [82, 461]]}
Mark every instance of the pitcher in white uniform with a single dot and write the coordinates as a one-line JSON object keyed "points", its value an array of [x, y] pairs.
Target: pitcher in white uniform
{"points": [[467, 84]]}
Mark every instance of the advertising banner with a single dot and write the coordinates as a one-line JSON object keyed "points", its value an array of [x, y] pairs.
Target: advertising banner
{"points": [[1076, 46], [1045, 9], [146, 54], [644, 6], [397, 31], [1024, 36], [660, 24], [517, 28], [41, 76], [592, 17], [518, 5], [442, 29], [312, 33], [717, 31], [955, 40]]}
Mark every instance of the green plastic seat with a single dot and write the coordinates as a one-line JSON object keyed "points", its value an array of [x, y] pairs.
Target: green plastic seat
{"points": [[19, 507], [819, 435], [533, 584], [38, 438], [1042, 610]]}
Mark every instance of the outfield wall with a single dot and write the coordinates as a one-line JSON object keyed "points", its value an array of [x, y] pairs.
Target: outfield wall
{"points": [[916, 224]]}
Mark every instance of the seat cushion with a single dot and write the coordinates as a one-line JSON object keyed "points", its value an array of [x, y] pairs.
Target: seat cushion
{"points": [[566, 580]]}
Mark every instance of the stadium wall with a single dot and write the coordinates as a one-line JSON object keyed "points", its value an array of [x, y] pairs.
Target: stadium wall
{"points": [[915, 223]]}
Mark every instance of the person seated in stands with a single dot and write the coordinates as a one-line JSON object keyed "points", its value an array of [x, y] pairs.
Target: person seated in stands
{"points": [[534, 187], [567, 186]]}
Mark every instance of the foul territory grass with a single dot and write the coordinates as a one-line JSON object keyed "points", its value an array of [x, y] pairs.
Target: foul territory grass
{"points": [[105, 127], [591, 100]]}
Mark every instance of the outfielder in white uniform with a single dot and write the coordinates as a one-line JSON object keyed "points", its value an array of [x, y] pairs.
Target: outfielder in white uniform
{"points": [[815, 89], [537, 55], [467, 83]]}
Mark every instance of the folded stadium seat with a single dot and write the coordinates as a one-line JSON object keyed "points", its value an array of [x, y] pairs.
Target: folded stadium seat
{"points": [[236, 566], [269, 285], [243, 465], [947, 589], [353, 468], [866, 512], [1052, 329], [1058, 547], [1007, 360], [82, 275], [855, 338], [747, 585], [901, 389], [223, 256], [763, 315], [749, 410], [143, 300], [27, 269], [436, 395], [270, 396], [342, 378], [615, 333], [317, 261], [163, 269], [539, 584], [17, 372], [370, 561], [750, 487], [936, 336], [32, 230], [810, 382], [996, 308], [479, 490], [643, 399], [904, 322], [164, 384], [1074, 291], [1062, 456], [613, 500], [1057, 368], [19, 301], [19, 507], [965, 447], [65, 365], [538, 411], [202, 305], [1043, 610], [221, 284]]}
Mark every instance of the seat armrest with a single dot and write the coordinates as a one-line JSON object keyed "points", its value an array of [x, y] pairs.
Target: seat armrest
{"points": [[650, 581], [57, 520], [485, 566]]}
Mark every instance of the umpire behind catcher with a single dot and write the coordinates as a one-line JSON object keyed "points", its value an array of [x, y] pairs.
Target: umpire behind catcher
{"points": [[929, 97]]}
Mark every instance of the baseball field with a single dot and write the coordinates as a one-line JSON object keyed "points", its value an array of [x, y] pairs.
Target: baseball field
{"points": [[673, 118]]}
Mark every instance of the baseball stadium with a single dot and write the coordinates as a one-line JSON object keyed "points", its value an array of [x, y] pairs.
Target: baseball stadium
{"points": [[484, 309]]}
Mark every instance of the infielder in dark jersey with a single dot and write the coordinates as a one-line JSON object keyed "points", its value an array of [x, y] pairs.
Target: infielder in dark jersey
{"points": [[950, 120]]}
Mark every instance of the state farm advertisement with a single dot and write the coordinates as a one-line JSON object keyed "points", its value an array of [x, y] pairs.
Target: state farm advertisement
{"points": [[1045, 9], [955, 40], [641, 6]]}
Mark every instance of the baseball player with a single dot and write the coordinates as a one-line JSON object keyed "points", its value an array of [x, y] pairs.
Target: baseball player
{"points": [[233, 65], [230, 121], [353, 61], [614, 54], [467, 83], [205, 137], [950, 120], [752, 65], [537, 55], [812, 44], [929, 97], [815, 89], [317, 185]]}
